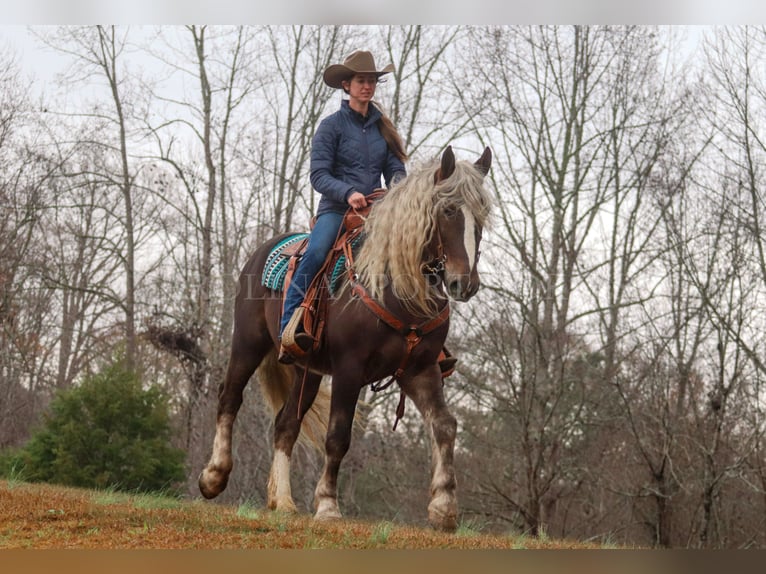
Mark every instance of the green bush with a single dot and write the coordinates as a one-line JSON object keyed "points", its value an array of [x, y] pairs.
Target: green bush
{"points": [[107, 433]]}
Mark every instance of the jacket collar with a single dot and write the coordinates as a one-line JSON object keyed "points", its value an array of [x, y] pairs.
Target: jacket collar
{"points": [[373, 113]]}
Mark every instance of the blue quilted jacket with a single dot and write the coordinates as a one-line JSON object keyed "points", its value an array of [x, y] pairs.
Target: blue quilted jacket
{"points": [[348, 154]]}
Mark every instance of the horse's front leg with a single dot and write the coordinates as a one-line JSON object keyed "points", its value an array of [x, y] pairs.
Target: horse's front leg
{"points": [[345, 393], [425, 390]]}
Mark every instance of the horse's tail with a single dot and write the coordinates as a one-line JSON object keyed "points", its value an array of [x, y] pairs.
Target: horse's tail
{"points": [[276, 382]]}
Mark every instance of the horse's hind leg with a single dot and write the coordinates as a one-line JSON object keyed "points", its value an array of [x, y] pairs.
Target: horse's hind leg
{"points": [[426, 392], [242, 363], [343, 405], [287, 427]]}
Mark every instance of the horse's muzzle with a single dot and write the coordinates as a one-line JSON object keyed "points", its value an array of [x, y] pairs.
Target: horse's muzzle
{"points": [[461, 288]]}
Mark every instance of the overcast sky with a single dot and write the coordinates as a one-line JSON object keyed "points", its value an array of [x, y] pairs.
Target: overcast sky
{"points": [[384, 11], [41, 64]]}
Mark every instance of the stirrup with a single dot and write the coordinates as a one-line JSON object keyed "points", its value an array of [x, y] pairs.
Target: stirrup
{"points": [[294, 344], [303, 341]]}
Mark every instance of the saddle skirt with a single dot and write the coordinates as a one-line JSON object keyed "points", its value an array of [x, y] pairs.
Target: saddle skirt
{"points": [[277, 267], [282, 261]]}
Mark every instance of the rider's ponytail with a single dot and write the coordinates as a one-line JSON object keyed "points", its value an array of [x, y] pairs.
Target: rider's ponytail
{"points": [[389, 133]]}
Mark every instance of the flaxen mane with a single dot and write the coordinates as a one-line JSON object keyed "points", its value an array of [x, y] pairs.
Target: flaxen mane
{"points": [[402, 224]]}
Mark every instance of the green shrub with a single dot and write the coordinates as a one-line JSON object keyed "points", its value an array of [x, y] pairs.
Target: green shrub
{"points": [[107, 433], [12, 466]]}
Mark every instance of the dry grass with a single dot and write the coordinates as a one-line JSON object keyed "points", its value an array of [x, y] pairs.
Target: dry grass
{"points": [[45, 516]]}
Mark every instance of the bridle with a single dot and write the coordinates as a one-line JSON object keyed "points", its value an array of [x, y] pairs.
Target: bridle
{"points": [[437, 265]]}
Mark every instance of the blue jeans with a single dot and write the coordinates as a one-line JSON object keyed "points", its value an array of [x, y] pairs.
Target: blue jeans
{"points": [[320, 242]]}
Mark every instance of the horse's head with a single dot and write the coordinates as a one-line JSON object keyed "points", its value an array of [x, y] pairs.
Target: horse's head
{"points": [[429, 224], [460, 215]]}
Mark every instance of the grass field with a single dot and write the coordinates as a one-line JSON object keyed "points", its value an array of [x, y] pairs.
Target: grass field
{"points": [[44, 516]]}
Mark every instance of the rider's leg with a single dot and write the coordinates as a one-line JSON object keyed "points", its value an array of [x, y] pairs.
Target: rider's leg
{"points": [[320, 242]]}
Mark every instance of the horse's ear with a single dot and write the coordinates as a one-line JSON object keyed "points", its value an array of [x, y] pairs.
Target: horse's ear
{"points": [[447, 165], [485, 161]]}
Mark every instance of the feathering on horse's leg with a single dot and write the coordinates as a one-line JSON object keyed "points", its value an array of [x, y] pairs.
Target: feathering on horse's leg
{"points": [[345, 393], [426, 392], [287, 428]]}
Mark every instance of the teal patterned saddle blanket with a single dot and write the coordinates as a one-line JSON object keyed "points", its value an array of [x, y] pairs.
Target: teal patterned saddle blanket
{"points": [[275, 269]]}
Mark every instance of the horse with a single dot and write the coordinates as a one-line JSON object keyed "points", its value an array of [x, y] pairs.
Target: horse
{"points": [[421, 250]]}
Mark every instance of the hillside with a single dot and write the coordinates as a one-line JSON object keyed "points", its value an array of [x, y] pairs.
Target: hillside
{"points": [[45, 516]]}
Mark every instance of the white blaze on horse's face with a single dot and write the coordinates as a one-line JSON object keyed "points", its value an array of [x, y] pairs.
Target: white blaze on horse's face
{"points": [[469, 236], [461, 278]]}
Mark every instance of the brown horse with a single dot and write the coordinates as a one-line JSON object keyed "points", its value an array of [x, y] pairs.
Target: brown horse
{"points": [[421, 247]]}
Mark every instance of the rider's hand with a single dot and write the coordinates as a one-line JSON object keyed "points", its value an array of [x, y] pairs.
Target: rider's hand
{"points": [[357, 200]]}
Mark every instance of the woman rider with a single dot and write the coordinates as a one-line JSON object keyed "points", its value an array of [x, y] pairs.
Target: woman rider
{"points": [[351, 150]]}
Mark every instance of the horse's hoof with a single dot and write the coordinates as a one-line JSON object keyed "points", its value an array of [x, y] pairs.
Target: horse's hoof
{"points": [[284, 506], [443, 517], [443, 524], [327, 516], [327, 510], [212, 483]]}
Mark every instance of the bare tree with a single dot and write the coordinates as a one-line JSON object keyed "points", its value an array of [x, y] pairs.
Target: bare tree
{"points": [[98, 53], [200, 199], [583, 119], [722, 259], [424, 74], [83, 240], [739, 97], [23, 300], [296, 100]]}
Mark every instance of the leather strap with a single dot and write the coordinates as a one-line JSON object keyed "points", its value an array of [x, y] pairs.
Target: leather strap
{"points": [[413, 333]]}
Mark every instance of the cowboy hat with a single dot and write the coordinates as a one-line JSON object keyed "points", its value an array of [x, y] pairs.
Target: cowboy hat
{"points": [[359, 62]]}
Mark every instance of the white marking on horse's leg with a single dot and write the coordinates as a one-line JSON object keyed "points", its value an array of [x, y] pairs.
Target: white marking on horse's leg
{"points": [[469, 236], [279, 493], [326, 499], [215, 476], [442, 510], [221, 457], [426, 392]]}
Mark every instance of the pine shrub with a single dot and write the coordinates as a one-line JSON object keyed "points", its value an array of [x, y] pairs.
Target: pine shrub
{"points": [[109, 432]]}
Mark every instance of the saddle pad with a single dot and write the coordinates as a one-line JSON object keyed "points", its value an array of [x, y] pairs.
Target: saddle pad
{"points": [[275, 269]]}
